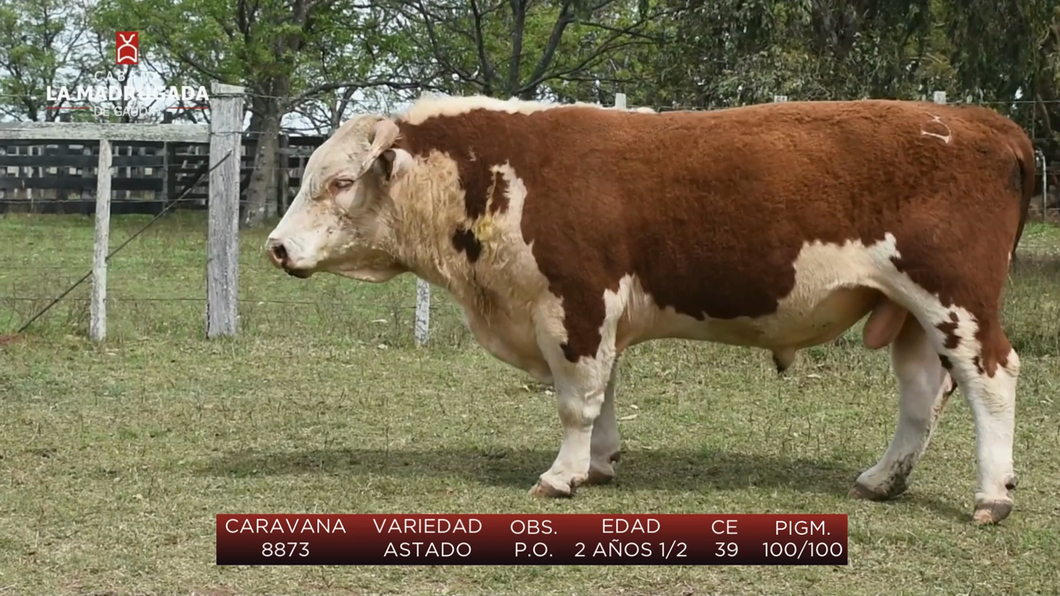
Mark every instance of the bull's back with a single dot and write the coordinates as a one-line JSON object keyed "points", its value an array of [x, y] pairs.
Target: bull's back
{"points": [[825, 166]]}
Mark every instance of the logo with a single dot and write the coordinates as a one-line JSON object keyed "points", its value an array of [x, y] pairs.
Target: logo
{"points": [[127, 47], [119, 94]]}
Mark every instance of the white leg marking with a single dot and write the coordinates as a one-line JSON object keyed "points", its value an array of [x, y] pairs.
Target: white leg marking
{"points": [[580, 392], [993, 404], [923, 386], [991, 399]]}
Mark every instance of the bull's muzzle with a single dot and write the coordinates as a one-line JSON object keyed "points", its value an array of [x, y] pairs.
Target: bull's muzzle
{"points": [[277, 253], [279, 257]]}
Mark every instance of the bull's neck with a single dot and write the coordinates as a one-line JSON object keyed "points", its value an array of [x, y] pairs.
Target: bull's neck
{"points": [[423, 230]]}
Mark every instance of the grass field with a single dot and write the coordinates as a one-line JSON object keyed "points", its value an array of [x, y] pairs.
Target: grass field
{"points": [[115, 459]]}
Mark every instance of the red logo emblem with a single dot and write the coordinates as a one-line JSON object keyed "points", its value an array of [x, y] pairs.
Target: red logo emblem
{"points": [[127, 47]]}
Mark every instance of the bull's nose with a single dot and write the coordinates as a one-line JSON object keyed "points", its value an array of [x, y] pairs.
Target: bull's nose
{"points": [[277, 253]]}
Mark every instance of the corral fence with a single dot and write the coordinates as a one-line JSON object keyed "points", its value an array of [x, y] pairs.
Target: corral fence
{"points": [[59, 175], [105, 169]]}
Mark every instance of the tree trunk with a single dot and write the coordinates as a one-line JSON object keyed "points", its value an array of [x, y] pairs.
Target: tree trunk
{"points": [[260, 204], [261, 191], [257, 124]]}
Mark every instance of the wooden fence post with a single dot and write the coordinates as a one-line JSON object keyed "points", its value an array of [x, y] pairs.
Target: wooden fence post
{"points": [[422, 327], [97, 329], [423, 312], [165, 173], [283, 158], [222, 242]]}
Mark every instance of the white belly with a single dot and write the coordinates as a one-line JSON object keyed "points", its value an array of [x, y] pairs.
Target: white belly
{"points": [[835, 287]]}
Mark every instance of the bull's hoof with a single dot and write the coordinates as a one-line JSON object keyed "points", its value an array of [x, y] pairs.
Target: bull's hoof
{"points": [[991, 511], [545, 489], [862, 491], [600, 474]]}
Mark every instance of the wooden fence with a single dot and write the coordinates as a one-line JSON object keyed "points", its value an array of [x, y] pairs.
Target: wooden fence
{"points": [[55, 168], [222, 172], [60, 176]]}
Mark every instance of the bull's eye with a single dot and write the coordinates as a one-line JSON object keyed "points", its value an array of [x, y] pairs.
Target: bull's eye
{"points": [[341, 183]]}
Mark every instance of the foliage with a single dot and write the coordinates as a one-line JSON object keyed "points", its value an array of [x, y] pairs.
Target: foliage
{"points": [[318, 61], [43, 43]]}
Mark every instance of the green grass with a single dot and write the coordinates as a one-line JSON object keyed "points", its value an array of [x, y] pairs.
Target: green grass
{"points": [[115, 458]]}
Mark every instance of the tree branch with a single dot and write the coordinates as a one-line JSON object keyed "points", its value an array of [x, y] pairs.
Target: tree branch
{"points": [[480, 45], [436, 49], [566, 17], [389, 83], [607, 46], [519, 8], [198, 67]]}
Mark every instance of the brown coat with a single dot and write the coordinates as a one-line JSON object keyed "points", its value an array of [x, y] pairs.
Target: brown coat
{"points": [[710, 210]]}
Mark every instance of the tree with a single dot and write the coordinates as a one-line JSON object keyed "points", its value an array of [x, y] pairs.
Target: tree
{"points": [[519, 48], [734, 52], [43, 44], [1004, 49], [271, 47]]}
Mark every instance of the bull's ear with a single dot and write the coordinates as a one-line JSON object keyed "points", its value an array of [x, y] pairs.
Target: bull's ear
{"points": [[392, 163], [382, 136]]}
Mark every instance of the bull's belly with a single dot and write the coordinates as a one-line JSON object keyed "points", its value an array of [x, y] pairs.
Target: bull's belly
{"points": [[812, 318], [832, 293]]}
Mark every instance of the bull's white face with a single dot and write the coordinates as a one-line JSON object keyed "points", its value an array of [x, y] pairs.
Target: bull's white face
{"points": [[341, 220]]}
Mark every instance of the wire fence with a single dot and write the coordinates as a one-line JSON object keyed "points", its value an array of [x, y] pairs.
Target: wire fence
{"points": [[23, 172], [60, 177], [157, 286]]}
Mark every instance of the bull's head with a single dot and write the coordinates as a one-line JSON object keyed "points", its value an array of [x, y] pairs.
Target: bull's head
{"points": [[341, 221]]}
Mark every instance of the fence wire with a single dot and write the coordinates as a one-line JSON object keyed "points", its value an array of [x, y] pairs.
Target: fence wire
{"points": [[88, 274], [154, 290]]}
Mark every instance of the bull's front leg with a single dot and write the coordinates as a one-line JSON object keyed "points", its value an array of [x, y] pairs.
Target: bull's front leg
{"points": [[585, 398], [605, 449]]}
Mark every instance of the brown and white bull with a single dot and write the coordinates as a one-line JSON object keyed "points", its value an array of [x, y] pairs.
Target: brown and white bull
{"points": [[569, 233]]}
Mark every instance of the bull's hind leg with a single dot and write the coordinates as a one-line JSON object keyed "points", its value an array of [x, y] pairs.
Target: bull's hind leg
{"points": [[924, 388], [987, 368]]}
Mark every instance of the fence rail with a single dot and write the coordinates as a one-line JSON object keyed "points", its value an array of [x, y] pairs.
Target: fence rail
{"points": [[40, 173]]}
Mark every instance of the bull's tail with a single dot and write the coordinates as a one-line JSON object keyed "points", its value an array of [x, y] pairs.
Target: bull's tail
{"points": [[1029, 175]]}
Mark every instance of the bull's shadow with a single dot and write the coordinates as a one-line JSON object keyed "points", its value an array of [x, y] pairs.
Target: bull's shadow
{"points": [[677, 470], [665, 469]]}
